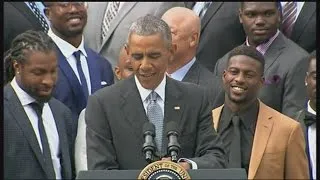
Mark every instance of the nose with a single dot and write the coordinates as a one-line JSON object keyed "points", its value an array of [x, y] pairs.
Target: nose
{"points": [[239, 78], [260, 21], [145, 64], [49, 79]]}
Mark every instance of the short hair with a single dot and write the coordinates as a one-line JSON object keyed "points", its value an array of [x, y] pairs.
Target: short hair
{"points": [[150, 25], [278, 4], [21, 46], [247, 51]]}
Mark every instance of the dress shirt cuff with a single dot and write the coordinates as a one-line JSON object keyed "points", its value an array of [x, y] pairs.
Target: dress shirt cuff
{"points": [[192, 163]]}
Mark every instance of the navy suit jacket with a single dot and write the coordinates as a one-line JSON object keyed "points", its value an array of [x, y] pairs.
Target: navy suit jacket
{"points": [[22, 154], [68, 89]]}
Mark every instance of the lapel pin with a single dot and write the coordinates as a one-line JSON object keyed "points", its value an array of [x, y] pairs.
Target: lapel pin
{"points": [[176, 107]]}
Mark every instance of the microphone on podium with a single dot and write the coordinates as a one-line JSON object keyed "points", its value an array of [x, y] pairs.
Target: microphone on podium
{"points": [[148, 147], [173, 145]]}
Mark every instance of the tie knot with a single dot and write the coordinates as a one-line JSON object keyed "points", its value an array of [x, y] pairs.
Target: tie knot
{"points": [[77, 55], [153, 96], [38, 107], [235, 120]]}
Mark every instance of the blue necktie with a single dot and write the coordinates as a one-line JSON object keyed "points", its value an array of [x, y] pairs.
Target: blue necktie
{"points": [[81, 74], [155, 116]]}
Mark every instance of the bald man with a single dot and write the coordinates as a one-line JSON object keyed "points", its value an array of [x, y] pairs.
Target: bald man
{"points": [[185, 30], [123, 69]]}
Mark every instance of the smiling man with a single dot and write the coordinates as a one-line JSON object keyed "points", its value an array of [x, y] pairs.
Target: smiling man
{"points": [[115, 115], [81, 70], [268, 144], [285, 61]]}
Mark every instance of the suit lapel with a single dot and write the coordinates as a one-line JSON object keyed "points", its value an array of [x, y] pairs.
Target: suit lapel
{"points": [[23, 8], [63, 141], [71, 77], [262, 133], [116, 21], [136, 116], [274, 51], [94, 71], [308, 9], [213, 8], [173, 109], [216, 117], [193, 74], [99, 9], [18, 113]]}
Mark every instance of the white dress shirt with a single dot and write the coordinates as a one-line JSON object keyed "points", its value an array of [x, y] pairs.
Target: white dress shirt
{"points": [[312, 139], [67, 50], [299, 7], [160, 90], [48, 123], [181, 72]]}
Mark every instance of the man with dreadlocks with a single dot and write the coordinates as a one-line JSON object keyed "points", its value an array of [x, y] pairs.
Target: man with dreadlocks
{"points": [[38, 129]]}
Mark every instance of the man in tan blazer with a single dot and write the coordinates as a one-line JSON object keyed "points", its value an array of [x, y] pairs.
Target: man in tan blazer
{"points": [[271, 145]]}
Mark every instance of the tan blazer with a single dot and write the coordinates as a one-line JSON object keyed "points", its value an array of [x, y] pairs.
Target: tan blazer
{"points": [[278, 150]]}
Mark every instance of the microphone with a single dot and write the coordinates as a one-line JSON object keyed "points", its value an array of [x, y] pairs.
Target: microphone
{"points": [[173, 145], [148, 147]]}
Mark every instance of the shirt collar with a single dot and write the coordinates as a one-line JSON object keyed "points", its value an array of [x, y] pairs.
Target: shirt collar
{"points": [[24, 97], [310, 110], [181, 72], [66, 48], [262, 48], [248, 116], [144, 93]]}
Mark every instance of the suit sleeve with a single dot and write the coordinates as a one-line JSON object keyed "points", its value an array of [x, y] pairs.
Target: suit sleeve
{"points": [[294, 96], [101, 154], [209, 153], [296, 165]]}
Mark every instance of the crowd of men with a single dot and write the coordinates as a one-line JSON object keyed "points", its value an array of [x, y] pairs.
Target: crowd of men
{"points": [[83, 78]]}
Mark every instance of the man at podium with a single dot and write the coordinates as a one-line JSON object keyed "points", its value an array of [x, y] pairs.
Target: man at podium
{"points": [[115, 115]]}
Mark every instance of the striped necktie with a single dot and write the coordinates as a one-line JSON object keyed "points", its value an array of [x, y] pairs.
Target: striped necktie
{"points": [[204, 9], [110, 14], [289, 16], [40, 17]]}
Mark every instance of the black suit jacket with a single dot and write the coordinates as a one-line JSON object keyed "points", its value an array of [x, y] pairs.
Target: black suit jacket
{"points": [[201, 76], [22, 154], [221, 31], [17, 19], [304, 29], [115, 116], [285, 68]]}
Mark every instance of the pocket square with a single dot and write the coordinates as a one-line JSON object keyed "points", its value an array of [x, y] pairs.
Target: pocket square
{"points": [[103, 83], [275, 79]]}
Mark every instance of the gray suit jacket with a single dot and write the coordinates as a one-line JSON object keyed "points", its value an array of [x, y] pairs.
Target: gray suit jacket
{"points": [[115, 116], [22, 154], [304, 29], [285, 69], [221, 31], [118, 32]]}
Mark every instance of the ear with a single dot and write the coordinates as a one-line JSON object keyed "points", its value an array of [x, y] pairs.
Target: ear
{"points": [[17, 67], [223, 76], [261, 82], [117, 72], [194, 39], [306, 79], [126, 48], [47, 13], [240, 16], [173, 49]]}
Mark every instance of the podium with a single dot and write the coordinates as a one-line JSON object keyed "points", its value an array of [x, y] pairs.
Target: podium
{"points": [[194, 174]]}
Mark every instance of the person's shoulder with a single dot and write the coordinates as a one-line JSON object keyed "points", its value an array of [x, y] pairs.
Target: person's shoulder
{"points": [[55, 104], [95, 55], [292, 48], [114, 90]]}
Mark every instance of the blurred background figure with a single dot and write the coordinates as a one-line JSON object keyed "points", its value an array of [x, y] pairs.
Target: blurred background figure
{"points": [[308, 116], [109, 22], [123, 69]]}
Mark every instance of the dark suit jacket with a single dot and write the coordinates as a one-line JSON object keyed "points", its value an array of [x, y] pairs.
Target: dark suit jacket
{"points": [[304, 29], [68, 89], [22, 154], [115, 116], [285, 68], [221, 31], [201, 76], [17, 18]]}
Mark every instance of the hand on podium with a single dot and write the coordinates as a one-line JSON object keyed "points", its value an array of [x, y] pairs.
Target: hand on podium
{"points": [[185, 165]]}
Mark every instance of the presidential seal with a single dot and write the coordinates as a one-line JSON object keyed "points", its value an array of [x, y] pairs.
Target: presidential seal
{"points": [[164, 170]]}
